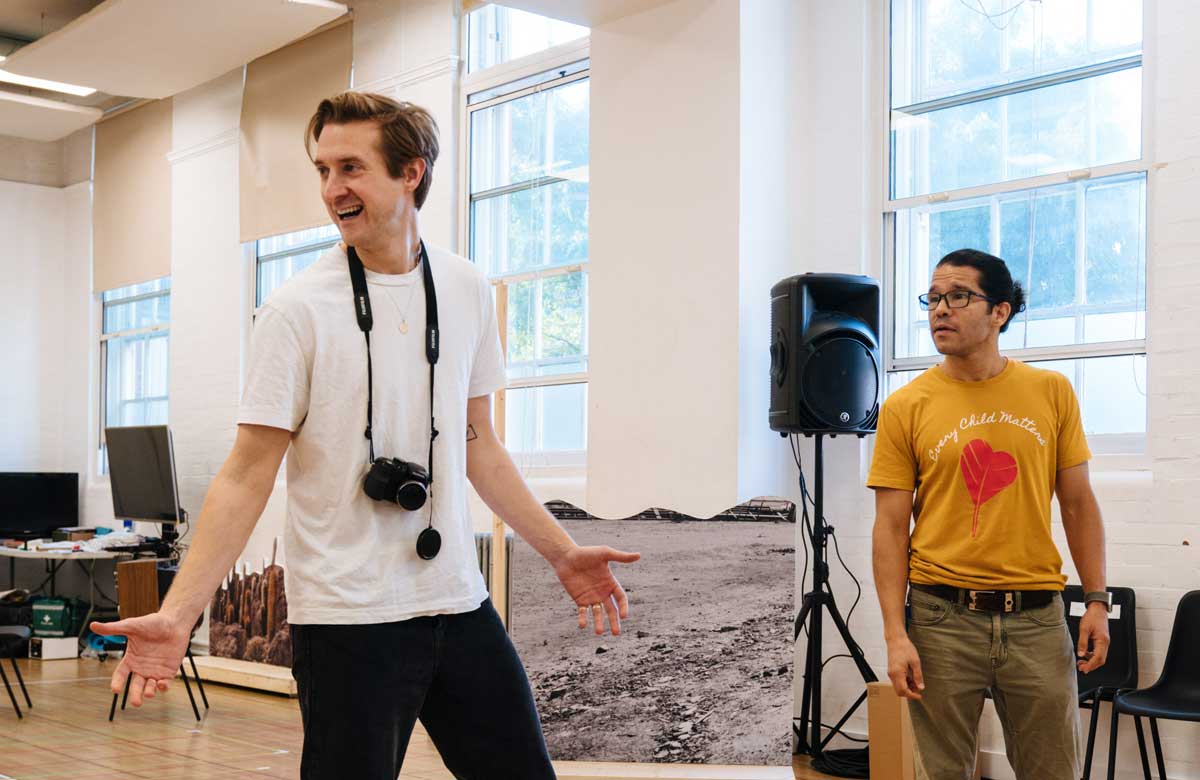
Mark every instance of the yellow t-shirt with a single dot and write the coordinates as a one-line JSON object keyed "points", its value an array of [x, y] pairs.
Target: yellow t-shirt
{"points": [[982, 458]]}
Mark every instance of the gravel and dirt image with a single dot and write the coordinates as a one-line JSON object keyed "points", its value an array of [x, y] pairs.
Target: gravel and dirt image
{"points": [[702, 671]]}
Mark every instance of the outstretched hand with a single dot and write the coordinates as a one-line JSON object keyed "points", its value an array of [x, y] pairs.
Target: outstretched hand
{"points": [[589, 581], [155, 647]]}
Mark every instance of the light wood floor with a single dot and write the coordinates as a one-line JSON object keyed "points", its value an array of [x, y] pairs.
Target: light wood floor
{"points": [[246, 734]]}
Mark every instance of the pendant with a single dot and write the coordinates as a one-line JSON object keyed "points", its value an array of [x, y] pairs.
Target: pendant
{"points": [[404, 327]]}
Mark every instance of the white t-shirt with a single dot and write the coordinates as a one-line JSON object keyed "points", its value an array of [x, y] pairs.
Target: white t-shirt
{"points": [[351, 559]]}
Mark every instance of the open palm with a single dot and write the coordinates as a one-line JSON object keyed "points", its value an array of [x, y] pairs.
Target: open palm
{"points": [[155, 648], [588, 579]]}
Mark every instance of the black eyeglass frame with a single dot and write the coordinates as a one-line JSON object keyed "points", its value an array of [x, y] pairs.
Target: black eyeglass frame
{"points": [[923, 299]]}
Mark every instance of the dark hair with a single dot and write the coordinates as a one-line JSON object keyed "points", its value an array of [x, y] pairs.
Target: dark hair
{"points": [[994, 278], [406, 131]]}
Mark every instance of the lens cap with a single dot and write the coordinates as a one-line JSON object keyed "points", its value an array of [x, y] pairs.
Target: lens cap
{"points": [[428, 544]]}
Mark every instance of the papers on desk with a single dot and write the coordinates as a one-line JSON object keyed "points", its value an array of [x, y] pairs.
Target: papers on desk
{"points": [[115, 539], [94, 545], [47, 546]]}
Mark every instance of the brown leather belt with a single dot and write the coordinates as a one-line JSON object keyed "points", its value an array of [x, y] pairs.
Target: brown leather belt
{"points": [[989, 600]]}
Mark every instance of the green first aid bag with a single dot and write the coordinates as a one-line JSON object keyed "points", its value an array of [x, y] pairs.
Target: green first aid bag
{"points": [[52, 617]]}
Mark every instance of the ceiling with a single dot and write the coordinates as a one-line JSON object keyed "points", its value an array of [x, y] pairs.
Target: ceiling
{"points": [[28, 20], [135, 49]]}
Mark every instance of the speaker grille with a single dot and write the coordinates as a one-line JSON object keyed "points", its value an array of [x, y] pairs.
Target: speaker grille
{"points": [[841, 384]]}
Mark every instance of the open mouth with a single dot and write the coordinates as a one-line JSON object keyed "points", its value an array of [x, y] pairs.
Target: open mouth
{"points": [[350, 212]]}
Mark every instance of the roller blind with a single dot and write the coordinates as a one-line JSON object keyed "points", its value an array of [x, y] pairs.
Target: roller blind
{"points": [[279, 188], [131, 222]]}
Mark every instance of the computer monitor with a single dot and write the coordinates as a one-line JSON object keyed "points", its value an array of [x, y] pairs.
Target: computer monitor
{"points": [[33, 504], [141, 469]]}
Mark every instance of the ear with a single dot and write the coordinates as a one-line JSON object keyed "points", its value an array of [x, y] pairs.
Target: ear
{"points": [[1001, 311], [414, 171]]}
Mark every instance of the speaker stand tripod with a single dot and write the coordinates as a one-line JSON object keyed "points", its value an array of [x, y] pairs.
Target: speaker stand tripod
{"points": [[814, 602]]}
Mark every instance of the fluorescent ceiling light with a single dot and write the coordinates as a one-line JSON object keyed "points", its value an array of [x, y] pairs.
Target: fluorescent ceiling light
{"points": [[55, 86]]}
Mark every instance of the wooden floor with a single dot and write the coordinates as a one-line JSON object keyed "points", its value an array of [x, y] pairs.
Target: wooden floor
{"points": [[246, 734]]}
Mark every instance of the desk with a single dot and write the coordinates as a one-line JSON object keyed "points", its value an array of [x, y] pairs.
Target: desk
{"points": [[57, 560]]}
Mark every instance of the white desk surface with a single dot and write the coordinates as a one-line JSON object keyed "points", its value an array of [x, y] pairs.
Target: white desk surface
{"points": [[11, 552]]}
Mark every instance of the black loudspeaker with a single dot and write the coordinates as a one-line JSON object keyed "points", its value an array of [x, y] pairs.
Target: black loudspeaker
{"points": [[825, 358]]}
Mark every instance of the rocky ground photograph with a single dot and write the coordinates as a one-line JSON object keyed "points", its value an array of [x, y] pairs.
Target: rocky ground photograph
{"points": [[702, 672]]}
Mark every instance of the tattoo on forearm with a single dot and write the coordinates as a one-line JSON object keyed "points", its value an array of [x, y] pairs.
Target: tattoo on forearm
{"points": [[471, 435]]}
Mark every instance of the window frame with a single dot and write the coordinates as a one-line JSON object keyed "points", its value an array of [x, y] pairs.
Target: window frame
{"points": [[494, 79], [1115, 443], [100, 470]]}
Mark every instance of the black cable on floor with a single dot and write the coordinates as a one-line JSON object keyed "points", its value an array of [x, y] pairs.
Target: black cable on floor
{"points": [[851, 762]]}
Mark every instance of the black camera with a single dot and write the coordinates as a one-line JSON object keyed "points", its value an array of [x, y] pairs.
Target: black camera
{"points": [[397, 481]]}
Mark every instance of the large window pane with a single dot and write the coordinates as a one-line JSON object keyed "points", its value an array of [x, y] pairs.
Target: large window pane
{"points": [[547, 331], [300, 238], [1111, 392], [497, 34], [1079, 124], [546, 419], [532, 228], [949, 47], [273, 273], [1077, 249], [281, 257], [538, 135]]}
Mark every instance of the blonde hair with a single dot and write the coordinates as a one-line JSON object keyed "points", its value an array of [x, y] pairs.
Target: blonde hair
{"points": [[406, 131]]}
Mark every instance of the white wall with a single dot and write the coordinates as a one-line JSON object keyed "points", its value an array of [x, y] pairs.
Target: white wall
{"points": [[663, 277], [32, 297], [44, 276]]}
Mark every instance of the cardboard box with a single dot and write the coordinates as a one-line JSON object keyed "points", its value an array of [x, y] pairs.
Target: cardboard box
{"points": [[50, 648], [890, 733]]}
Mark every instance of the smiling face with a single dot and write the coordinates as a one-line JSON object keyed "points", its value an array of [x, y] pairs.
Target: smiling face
{"points": [[962, 332], [369, 207]]}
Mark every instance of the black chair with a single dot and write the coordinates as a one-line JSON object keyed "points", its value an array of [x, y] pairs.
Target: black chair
{"points": [[1176, 695], [12, 639], [1120, 670]]}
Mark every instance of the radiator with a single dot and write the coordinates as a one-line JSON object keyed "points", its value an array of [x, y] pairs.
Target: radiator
{"points": [[483, 549]]}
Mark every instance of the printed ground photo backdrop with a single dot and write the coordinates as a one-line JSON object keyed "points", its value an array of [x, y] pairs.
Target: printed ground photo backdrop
{"points": [[702, 671]]}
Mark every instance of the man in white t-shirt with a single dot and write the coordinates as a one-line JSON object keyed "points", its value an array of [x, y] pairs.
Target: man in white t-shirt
{"points": [[373, 370]]}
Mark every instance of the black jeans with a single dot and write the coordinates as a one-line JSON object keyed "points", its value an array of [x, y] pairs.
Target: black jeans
{"points": [[362, 688]]}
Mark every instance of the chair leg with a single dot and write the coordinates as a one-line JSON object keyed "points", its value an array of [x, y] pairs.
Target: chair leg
{"points": [[125, 697], [1137, 721], [1091, 742], [11, 696], [1162, 770], [112, 710], [21, 682], [1112, 741], [196, 674], [188, 686]]}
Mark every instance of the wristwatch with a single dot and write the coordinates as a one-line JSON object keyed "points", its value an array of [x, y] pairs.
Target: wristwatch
{"points": [[1103, 596]]}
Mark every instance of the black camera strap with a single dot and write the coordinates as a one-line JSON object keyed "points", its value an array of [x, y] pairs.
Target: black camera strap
{"points": [[362, 312]]}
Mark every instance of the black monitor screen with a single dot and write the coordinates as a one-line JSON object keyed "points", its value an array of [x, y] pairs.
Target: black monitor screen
{"points": [[35, 503], [141, 468]]}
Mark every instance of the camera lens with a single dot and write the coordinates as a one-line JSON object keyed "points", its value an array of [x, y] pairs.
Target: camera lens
{"points": [[411, 496]]}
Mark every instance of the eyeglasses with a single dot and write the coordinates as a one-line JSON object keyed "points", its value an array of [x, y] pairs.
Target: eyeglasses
{"points": [[955, 299]]}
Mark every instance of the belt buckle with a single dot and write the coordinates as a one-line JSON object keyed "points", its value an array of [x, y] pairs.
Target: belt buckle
{"points": [[972, 595]]}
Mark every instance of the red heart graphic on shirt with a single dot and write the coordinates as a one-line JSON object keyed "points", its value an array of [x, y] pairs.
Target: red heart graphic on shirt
{"points": [[986, 473]]}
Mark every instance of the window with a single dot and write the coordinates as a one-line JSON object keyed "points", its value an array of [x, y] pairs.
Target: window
{"points": [[527, 227], [278, 258], [497, 34], [134, 346], [1016, 128]]}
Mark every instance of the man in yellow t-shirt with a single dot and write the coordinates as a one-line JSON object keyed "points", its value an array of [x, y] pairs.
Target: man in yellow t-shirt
{"points": [[972, 451]]}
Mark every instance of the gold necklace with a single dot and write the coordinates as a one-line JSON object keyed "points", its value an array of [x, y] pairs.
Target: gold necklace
{"points": [[407, 307]]}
